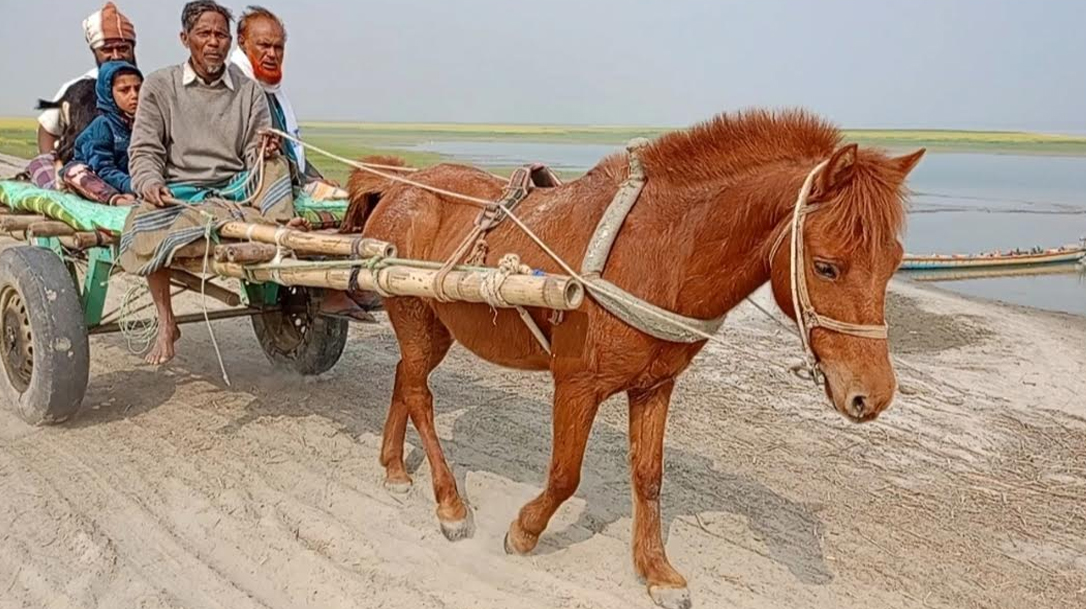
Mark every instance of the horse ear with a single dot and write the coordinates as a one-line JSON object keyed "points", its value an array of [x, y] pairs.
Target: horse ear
{"points": [[905, 164], [838, 171]]}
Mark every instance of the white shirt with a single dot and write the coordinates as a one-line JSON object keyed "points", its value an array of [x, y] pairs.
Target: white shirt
{"points": [[50, 119], [189, 76]]}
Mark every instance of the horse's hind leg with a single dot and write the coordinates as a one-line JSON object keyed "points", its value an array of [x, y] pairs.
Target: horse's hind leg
{"points": [[416, 322], [648, 418], [424, 341], [575, 408]]}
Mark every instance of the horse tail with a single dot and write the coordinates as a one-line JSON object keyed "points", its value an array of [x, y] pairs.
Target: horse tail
{"points": [[365, 190]]}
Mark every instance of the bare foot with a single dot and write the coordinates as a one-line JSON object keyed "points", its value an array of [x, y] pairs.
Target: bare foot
{"points": [[299, 224], [163, 350], [338, 304]]}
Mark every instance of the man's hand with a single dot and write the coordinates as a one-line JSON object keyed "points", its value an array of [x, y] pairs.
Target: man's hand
{"points": [[156, 194], [271, 145]]}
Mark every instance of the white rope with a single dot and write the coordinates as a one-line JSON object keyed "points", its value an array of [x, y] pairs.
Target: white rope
{"points": [[589, 285], [493, 279], [140, 333], [203, 297]]}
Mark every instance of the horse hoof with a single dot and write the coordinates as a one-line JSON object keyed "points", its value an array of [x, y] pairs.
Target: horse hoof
{"points": [[511, 548], [671, 598], [459, 529], [398, 487]]}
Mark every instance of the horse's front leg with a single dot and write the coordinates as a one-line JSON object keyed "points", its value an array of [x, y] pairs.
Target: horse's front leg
{"points": [[575, 408], [648, 418]]}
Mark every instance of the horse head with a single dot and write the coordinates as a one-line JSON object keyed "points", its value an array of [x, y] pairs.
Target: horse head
{"points": [[836, 273]]}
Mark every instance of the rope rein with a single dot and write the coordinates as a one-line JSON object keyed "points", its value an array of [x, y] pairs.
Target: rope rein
{"points": [[807, 318]]}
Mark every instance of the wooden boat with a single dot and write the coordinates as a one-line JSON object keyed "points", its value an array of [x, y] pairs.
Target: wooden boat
{"points": [[993, 259], [994, 272]]}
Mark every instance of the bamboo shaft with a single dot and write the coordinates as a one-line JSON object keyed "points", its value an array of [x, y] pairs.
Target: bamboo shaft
{"points": [[309, 242], [547, 291], [82, 241], [244, 253], [187, 318], [19, 222], [192, 282], [49, 228]]}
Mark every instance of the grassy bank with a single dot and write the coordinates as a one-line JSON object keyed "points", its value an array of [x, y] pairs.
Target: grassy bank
{"points": [[360, 139]]}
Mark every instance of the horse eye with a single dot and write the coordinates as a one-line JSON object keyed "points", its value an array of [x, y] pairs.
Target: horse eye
{"points": [[826, 269]]}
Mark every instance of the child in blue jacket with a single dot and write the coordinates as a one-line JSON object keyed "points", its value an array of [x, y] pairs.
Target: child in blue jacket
{"points": [[99, 167]]}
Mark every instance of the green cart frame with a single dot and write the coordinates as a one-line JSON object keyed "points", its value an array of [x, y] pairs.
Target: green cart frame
{"points": [[48, 310]]}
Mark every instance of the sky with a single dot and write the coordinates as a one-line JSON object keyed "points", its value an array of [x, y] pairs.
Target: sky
{"points": [[953, 64]]}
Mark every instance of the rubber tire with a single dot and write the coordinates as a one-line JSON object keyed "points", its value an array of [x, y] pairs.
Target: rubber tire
{"points": [[61, 352], [316, 351]]}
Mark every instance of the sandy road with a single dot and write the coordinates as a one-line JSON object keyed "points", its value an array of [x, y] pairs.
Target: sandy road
{"points": [[172, 490]]}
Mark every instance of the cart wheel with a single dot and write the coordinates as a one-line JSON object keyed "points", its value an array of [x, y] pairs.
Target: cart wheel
{"points": [[43, 341], [296, 338]]}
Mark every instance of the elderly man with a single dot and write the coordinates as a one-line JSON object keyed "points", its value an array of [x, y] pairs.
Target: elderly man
{"points": [[261, 50], [259, 55], [197, 140], [111, 37]]}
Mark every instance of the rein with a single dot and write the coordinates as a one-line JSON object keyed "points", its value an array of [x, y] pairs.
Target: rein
{"points": [[631, 309], [807, 318]]}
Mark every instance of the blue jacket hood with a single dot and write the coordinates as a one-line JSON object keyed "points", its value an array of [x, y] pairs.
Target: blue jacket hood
{"points": [[104, 87]]}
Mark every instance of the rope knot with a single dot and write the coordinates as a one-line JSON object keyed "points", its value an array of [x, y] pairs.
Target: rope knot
{"points": [[493, 279]]}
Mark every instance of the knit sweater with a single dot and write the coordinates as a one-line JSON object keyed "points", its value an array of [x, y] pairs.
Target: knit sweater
{"points": [[192, 132]]}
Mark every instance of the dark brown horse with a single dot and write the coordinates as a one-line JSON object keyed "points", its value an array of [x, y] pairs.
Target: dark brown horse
{"points": [[698, 241]]}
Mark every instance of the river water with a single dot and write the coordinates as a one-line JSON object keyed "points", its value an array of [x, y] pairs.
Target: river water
{"points": [[962, 203]]}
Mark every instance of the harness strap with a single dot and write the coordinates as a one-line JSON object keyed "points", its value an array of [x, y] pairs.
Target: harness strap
{"points": [[607, 229], [646, 317]]}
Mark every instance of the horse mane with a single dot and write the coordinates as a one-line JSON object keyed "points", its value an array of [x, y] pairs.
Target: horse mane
{"points": [[731, 145]]}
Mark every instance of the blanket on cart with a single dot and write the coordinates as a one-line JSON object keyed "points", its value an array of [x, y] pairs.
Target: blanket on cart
{"points": [[176, 225]]}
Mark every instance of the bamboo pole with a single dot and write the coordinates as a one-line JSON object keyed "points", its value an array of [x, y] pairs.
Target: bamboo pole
{"points": [[187, 318], [196, 249], [244, 253], [309, 242], [82, 241], [547, 291], [214, 290], [16, 223], [49, 228]]}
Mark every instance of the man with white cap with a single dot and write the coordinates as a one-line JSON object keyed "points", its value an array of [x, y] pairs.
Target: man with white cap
{"points": [[111, 37]]}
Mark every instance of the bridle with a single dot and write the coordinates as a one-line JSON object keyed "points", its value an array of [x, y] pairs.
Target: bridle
{"points": [[807, 318]]}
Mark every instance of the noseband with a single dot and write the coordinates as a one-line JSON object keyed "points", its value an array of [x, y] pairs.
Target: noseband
{"points": [[807, 318]]}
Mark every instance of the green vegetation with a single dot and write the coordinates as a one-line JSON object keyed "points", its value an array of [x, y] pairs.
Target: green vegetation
{"points": [[18, 137], [355, 140]]}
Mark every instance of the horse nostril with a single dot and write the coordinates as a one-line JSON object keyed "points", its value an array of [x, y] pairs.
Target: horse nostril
{"points": [[857, 405]]}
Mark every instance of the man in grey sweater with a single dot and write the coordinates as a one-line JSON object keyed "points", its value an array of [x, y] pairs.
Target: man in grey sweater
{"points": [[198, 123], [197, 135]]}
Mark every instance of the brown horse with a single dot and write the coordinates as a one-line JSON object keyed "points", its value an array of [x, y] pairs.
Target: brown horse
{"points": [[699, 240]]}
